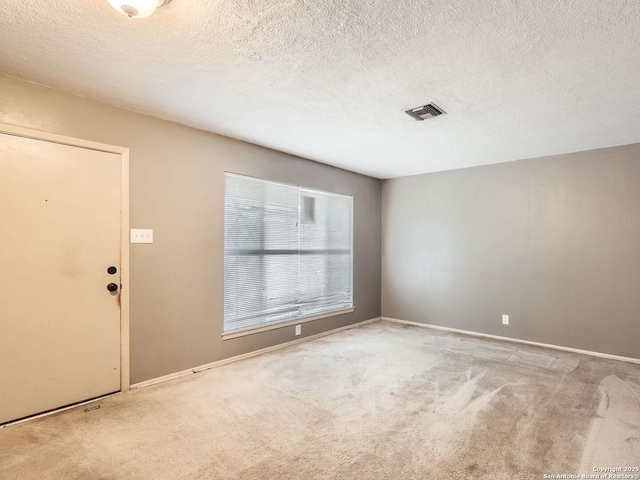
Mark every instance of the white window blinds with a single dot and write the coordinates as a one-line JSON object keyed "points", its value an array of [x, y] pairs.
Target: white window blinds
{"points": [[287, 252]]}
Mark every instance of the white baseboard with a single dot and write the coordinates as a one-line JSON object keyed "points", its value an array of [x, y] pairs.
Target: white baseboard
{"points": [[517, 340], [201, 368]]}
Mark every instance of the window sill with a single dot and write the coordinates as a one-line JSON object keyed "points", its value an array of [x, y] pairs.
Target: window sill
{"points": [[253, 330]]}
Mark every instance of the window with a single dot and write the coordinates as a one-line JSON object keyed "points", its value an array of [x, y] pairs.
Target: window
{"points": [[287, 253]]}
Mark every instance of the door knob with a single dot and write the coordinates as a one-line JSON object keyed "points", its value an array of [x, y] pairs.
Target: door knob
{"points": [[112, 270], [112, 287]]}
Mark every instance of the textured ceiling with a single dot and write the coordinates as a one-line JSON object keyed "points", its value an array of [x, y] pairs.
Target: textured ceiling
{"points": [[330, 79]]}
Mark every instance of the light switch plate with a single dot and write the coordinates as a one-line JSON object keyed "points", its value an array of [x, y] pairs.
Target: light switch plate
{"points": [[505, 319], [141, 235]]}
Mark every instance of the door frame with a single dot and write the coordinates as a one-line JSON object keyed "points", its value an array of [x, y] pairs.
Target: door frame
{"points": [[125, 380]]}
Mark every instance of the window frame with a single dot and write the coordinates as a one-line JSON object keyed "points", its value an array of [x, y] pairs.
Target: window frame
{"points": [[250, 330]]}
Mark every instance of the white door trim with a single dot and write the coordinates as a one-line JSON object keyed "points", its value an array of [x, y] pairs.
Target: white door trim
{"points": [[124, 236]]}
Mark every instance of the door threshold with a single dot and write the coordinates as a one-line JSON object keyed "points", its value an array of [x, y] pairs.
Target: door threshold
{"points": [[58, 410]]}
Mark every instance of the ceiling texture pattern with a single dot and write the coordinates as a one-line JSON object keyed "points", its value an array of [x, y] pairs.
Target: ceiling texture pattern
{"points": [[330, 80]]}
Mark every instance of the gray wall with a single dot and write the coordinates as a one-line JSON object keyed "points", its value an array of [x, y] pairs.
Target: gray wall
{"points": [[177, 187], [554, 242]]}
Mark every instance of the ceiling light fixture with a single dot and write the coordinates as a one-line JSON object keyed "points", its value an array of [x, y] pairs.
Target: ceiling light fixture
{"points": [[137, 8]]}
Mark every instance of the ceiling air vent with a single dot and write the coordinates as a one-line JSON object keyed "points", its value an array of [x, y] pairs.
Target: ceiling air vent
{"points": [[425, 112]]}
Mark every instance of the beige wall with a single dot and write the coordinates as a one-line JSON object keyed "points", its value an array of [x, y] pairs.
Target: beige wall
{"points": [[177, 187], [554, 242]]}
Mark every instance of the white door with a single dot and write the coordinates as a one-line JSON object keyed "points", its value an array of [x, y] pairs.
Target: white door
{"points": [[60, 221]]}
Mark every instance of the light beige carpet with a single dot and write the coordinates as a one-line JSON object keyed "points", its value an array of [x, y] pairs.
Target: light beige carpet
{"points": [[382, 401]]}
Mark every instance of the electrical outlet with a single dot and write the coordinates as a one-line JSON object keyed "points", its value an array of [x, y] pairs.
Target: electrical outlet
{"points": [[298, 329], [505, 319]]}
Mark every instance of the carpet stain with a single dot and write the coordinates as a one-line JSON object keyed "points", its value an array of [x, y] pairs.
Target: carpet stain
{"points": [[614, 433]]}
